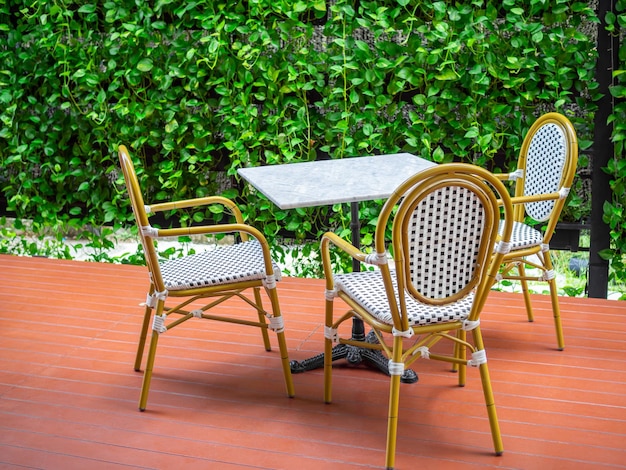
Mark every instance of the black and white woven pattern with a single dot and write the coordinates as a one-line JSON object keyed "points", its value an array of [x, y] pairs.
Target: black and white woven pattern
{"points": [[523, 236], [444, 236], [545, 162], [240, 262], [368, 290]]}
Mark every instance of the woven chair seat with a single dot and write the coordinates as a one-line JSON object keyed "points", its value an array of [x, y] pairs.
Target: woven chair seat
{"points": [[234, 263], [524, 236], [368, 290]]}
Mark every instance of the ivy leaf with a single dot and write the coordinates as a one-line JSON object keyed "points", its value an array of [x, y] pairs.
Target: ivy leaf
{"points": [[447, 74], [89, 8], [438, 155], [145, 65], [472, 133], [319, 5], [293, 225]]}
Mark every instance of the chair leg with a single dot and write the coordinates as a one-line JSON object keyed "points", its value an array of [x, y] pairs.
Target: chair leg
{"points": [[556, 311], [328, 355], [462, 354], [489, 399], [284, 357], [529, 309], [142, 336], [456, 353], [282, 343], [147, 375], [394, 404], [259, 302]]}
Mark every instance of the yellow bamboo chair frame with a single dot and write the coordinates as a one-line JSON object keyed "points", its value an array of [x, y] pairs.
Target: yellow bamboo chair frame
{"points": [[214, 295], [516, 261], [402, 354]]}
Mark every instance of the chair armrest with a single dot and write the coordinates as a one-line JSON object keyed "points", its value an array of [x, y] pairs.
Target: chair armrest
{"points": [[512, 176], [343, 245], [197, 202], [536, 198]]}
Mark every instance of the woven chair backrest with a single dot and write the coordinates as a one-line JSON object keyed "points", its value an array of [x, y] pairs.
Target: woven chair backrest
{"points": [[444, 232], [444, 236], [141, 217], [546, 161]]}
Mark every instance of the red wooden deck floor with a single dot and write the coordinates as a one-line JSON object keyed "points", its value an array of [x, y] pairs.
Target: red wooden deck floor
{"points": [[69, 393]]}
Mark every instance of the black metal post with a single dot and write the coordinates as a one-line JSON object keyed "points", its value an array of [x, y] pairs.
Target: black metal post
{"points": [[608, 46], [355, 226]]}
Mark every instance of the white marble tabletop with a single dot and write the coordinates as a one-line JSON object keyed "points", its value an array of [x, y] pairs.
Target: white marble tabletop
{"points": [[326, 182]]}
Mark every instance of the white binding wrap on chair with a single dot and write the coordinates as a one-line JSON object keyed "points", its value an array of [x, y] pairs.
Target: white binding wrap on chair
{"points": [[470, 325], [503, 247], [269, 282], [423, 351], [545, 247], [378, 259], [478, 357], [519, 173], [405, 334], [331, 334], [549, 275], [330, 294], [197, 313], [563, 193], [277, 324], [148, 209], [150, 231], [151, 300], [396, 368], [158, 324]]}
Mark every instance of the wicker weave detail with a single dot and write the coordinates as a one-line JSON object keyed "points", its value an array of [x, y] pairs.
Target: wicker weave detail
{"points": [[444, 236], [240, 262], [524, 236], [545, 163], [368, 290]]}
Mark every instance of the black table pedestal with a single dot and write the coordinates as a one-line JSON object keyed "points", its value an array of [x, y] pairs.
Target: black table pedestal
{"points": [[354, 355]]}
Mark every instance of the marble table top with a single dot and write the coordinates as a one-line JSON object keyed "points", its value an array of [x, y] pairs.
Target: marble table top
{"points": [[327, 182]]}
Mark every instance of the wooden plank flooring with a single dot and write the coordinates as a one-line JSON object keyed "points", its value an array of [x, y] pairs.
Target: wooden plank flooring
{"points": [[69, 394]]}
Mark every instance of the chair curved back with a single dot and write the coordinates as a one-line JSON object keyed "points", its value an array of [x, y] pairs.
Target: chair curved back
{"points": [[548, 158], [444, 233], [141, 217]]}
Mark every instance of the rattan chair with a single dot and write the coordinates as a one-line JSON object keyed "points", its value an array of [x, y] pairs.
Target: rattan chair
{"points": [[199, 282], [446, 249], [544, 175]]}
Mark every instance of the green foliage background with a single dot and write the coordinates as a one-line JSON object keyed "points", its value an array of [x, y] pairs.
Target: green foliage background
{"points": [[200, 88]]}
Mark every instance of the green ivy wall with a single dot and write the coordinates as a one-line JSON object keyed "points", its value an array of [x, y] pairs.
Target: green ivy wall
{"points": [[200, 88]]}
